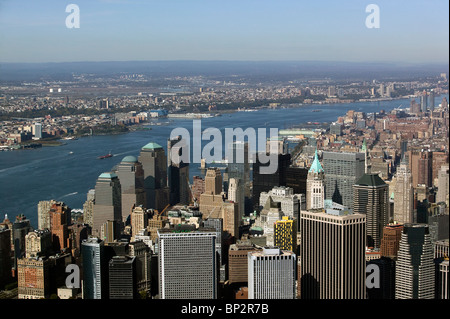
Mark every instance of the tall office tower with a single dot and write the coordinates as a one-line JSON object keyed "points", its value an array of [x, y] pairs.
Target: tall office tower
{"points": [[265, 182], [177, 172], [108, 204], [198, 188], [239, 164], [333, 255], [440, 158], [59, 216], [342, 170], [43, 215], [88, 208], [390, 243], [5, 257], [371, 197], [443, 185], [271, 274], [122, 277], [385, 269], [420, 164], [38, 243], [154, 162], [403, 195], [131, 177], [296, 178], [236, 193], [33, 278], [431, 104], [229, 213], [285, 234], [187, 263], [20, 228], [415, 269], [315, 185], [238, 261], [423, 102], [217, 224], [95, 269], [444, 104], [211, 200], [444, 280], [290, 203], [336, 128], [143, 255], [139, 221]]}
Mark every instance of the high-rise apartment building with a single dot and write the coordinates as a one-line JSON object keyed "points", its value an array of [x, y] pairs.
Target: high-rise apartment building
{"points": [[131, 177], [332, 252], [271, 274], [415, 269], [187, 263], [371, 197], [108, 204], [342, 170]]}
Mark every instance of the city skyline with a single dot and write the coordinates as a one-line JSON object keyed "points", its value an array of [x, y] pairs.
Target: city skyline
{"points": [[411, 32]]}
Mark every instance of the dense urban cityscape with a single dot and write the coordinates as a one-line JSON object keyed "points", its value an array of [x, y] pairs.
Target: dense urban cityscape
{"points": [[376, 180], [247, 158]]}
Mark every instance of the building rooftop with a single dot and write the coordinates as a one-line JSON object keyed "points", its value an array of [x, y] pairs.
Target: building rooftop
{"points": [[315, 166], [370, 180], [107, 175], [151, 146], [129, 159]]}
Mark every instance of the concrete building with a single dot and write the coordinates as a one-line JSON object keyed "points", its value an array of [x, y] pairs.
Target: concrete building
{"points": [[122, 277], [177, 172], [371, 197], [333, 255], [187, 263], [342, 170], [403, 196], [415, 269], [95, 269], [108, 205], [315, 186], [131, 177], [271, 274]]}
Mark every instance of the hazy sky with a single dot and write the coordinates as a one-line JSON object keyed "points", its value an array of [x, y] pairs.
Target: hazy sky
{"points": [[120, 30]]}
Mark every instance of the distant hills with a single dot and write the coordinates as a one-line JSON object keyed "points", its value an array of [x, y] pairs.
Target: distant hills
{"points": [[279, 70]]}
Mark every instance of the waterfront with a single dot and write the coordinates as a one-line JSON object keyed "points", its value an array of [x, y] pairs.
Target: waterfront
{"points": [[66, 173]]}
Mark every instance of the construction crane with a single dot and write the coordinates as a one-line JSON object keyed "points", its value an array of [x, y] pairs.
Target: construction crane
{"points": [[165, 208]]}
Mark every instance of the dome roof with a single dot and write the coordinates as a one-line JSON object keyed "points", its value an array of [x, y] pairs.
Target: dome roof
{"points": [[129, 159]]}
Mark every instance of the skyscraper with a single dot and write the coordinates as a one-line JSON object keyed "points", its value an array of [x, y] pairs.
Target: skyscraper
{"points": [[154, 162], [211, 200], [187, 263], [371, 197], [271, 274], [43, 213], [139, 221], [315, 185], [5, 256], [236, 194], [403, 195], [390, 242], [290, 203], [415, 269], [108, 204], [239, 168], [333, 255], [443, 185], [122, 277], [131, 177], [285, 234], [59, 216], [177, 172], [95, 269], [342, 170]]}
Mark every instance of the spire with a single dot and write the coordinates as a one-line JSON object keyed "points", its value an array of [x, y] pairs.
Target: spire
{"points": [[315, 166]]}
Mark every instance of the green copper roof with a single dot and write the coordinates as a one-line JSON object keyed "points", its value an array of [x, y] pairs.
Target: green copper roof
{"points": [[107, 175], [129, 159], [364, 146], [370, 180], [151, 146], [316, 167]]}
